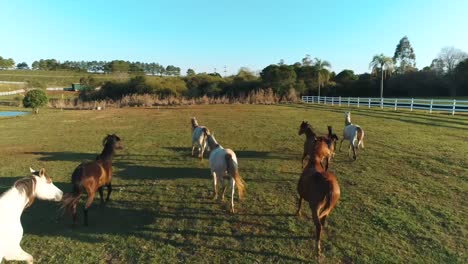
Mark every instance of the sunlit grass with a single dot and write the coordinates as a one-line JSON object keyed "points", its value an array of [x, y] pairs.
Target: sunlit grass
{"points": [[402, 201]]}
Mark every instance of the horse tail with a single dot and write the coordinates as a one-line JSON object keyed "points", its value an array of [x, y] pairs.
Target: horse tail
{"points": [[360, 137], [331, 199], [70, 200], [234, 172]]}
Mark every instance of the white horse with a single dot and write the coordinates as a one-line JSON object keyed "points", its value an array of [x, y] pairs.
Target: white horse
{"points": [[199, 134], [12, 204], [354, 134], [224, 166]]}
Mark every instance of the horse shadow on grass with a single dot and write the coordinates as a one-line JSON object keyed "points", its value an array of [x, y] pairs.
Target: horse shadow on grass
{"points": [[64, 156], [241, 154], [130, 171]]}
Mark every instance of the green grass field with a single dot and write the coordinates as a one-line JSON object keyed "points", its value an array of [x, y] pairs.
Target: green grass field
{"points": [[403, 200]]}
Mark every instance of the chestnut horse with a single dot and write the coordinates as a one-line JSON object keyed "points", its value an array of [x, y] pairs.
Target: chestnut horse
{"points": [[320, 188], [91, 177], [325, 152]]}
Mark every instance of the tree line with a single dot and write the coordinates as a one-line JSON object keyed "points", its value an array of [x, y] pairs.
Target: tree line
{"points": [[388, 77]]}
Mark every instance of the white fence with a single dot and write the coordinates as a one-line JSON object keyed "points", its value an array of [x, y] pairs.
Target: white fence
{"points": [[442, 105], [12, 92]]}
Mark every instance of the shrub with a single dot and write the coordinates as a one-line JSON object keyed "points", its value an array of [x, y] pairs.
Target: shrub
{"points": [[35, 99]]}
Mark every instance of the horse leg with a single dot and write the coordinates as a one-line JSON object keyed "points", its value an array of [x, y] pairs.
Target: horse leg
{"points": [[193, 149], [215, 187], [322, 220], [354, 152], [341, 143], [299, 205], [109, 191], [327, 159], [19, 255], [200, 152], [233, 185], [318, 228], [101, 195], [88, 204], [224, 187]]}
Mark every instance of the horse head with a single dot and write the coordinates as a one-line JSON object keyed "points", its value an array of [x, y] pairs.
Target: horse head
{"points": [[302, 128], [42, 186], [113, 140]]}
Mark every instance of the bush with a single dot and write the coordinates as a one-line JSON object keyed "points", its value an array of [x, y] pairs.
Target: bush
{"points": [[35, 99]]}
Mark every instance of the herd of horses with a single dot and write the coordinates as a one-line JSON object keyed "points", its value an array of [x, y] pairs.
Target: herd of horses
{"points": [[316, 185]]}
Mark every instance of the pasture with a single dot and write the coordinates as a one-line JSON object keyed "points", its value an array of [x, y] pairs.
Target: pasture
{"points": [[402, 201]]}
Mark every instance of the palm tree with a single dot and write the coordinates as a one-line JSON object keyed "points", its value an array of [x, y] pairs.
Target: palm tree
{"points": [[322, 71], [383, 63]]}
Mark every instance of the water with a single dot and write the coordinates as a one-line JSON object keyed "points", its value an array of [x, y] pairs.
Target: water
{"points": [[12, 113]]}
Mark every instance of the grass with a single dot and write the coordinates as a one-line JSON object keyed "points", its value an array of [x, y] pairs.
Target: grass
{"points": [[6, 87], [403, 200]]}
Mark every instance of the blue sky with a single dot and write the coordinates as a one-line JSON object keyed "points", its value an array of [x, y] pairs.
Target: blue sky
{"points": [[204, 35]]}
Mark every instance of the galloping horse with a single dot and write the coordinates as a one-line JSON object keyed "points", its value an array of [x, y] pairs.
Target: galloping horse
{"points": [[325, 151], [223, 164], [12, 204], [91, 177], [354, 134], [199, 134], [320, 188]]}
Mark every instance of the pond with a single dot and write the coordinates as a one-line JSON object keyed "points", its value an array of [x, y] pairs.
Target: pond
{"points": [[12, 113]]}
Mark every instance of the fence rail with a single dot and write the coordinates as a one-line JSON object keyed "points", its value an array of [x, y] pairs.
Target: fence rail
{"points": [[441, 105], [12, 92]]}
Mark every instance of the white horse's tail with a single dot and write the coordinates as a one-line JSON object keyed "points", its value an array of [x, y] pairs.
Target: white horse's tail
{"points": [[234, 172], [360, 137]]}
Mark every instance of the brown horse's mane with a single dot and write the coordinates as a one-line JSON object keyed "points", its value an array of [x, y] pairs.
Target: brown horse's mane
{"points": [[27, 185], [108, 151]]}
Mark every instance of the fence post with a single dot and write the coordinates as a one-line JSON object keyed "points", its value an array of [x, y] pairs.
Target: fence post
{"points": [[454, 104], [430, 108], [333, 101], [349, 98], [396, 102], [358, 102], [325, 100], [339, 100], [369, 101], [381, 102], [412, 101]]}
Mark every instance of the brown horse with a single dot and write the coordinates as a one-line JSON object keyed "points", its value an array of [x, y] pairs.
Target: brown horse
{"points": [[324, 152], [91, 177], [320, 188]]}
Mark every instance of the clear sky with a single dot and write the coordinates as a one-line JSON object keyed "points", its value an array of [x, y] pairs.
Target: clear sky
{"points": [[204, 35]]}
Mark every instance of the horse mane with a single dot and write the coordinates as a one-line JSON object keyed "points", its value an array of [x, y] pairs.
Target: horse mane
{"points": [[194, 123], [27, 185], [108, 143]]}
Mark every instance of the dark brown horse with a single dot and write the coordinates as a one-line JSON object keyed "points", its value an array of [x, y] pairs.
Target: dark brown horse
{"points": [[320, 188], [324, 152], [91, 177]]}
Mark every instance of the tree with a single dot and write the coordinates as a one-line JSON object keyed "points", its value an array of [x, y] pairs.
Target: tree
{"points": [[119, 66], [322, 72], [449, 57], [461, 77], [22, 66], [6, 63], [35, 99], [306, 61], [345, 76], [383, 63], [404, 56], [190, 72], [280, 78]]}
